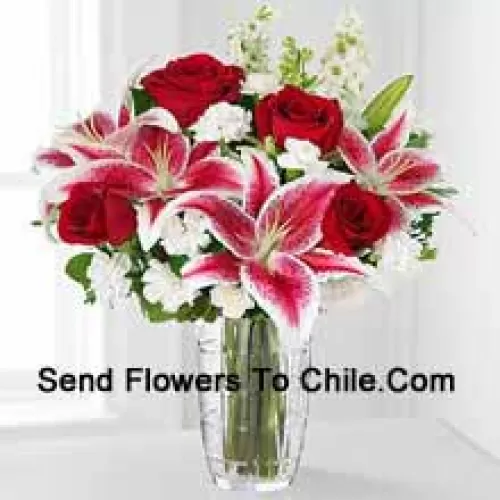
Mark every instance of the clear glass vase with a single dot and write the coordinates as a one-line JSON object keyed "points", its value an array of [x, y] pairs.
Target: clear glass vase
{"points": [[253, 426]]}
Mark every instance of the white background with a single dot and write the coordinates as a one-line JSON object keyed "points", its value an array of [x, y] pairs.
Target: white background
{"points": [[446, 319]]}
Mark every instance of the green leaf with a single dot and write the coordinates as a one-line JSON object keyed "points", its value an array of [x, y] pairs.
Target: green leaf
{"points": [[142, 101], [428, 253], [77, 269], [155, 312], [380, 109], [176, 263]]}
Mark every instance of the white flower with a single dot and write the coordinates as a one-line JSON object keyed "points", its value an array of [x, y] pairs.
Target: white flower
{"points": [[346, 62], [232, 299], [399, 253], [302, 155], [185, 236], [223, 121], [107, 275], [399, 259], [260, 83], [163, 286]]}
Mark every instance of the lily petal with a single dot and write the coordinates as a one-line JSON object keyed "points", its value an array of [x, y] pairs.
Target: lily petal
{"points": [[213, 174], [98, 125], [227, 222], [420, 200], [92, 152], [286, 290], [408, 171], [124, 178], [296, 212], [54, 157], [326, 264], [212, 269], [158, 149], [262, 181], [125, 138], [356, 151], [202, 150], [395, 136], [148, 222]]}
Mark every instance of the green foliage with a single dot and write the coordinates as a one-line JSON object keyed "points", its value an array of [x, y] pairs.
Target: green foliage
{"points": [[142, 101], [419, 139], [443, 192], [77, 269], [422, 230], [381, 107], [370, 258], [293, 64], [176, 262]]}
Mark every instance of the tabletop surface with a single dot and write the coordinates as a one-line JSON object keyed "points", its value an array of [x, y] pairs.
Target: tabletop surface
{"points": [[371, 459]]}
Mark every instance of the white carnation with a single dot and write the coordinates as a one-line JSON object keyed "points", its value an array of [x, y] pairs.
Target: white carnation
{"points": [[302, 155], [232, 299], [223, 121], [107, 275], [185, 236], [162, 286]]}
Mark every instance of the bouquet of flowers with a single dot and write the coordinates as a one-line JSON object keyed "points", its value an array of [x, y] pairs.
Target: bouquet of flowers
{"points": [[236, 189]]}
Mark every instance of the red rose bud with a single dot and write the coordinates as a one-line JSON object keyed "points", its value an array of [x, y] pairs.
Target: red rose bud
{"points": [[293, 112], [188, 86], [94, 214], [356, 219]]}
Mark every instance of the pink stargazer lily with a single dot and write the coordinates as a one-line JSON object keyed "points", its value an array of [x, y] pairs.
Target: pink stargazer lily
{"points": [[386, 166], [271, 243], [162, 166], [100, 137]]}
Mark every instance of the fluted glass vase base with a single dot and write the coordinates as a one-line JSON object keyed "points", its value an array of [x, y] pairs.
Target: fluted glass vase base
{"points": [[253, 431], [239, 483]]}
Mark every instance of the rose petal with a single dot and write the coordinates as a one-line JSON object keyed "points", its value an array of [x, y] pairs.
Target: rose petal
{"points": [[121, 221], [286, 290]]}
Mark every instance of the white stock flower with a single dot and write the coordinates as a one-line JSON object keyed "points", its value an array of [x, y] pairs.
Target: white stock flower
{"points": [[162, 286], [346, 62], [260, 83], [184, 236], [223, 121], [302, 155], [232, 299], [107, 275]]}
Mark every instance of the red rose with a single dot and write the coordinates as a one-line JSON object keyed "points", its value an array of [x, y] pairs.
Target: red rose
{"points": [[94, 214], [188, 86], [356, 219], [295, 113]]}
